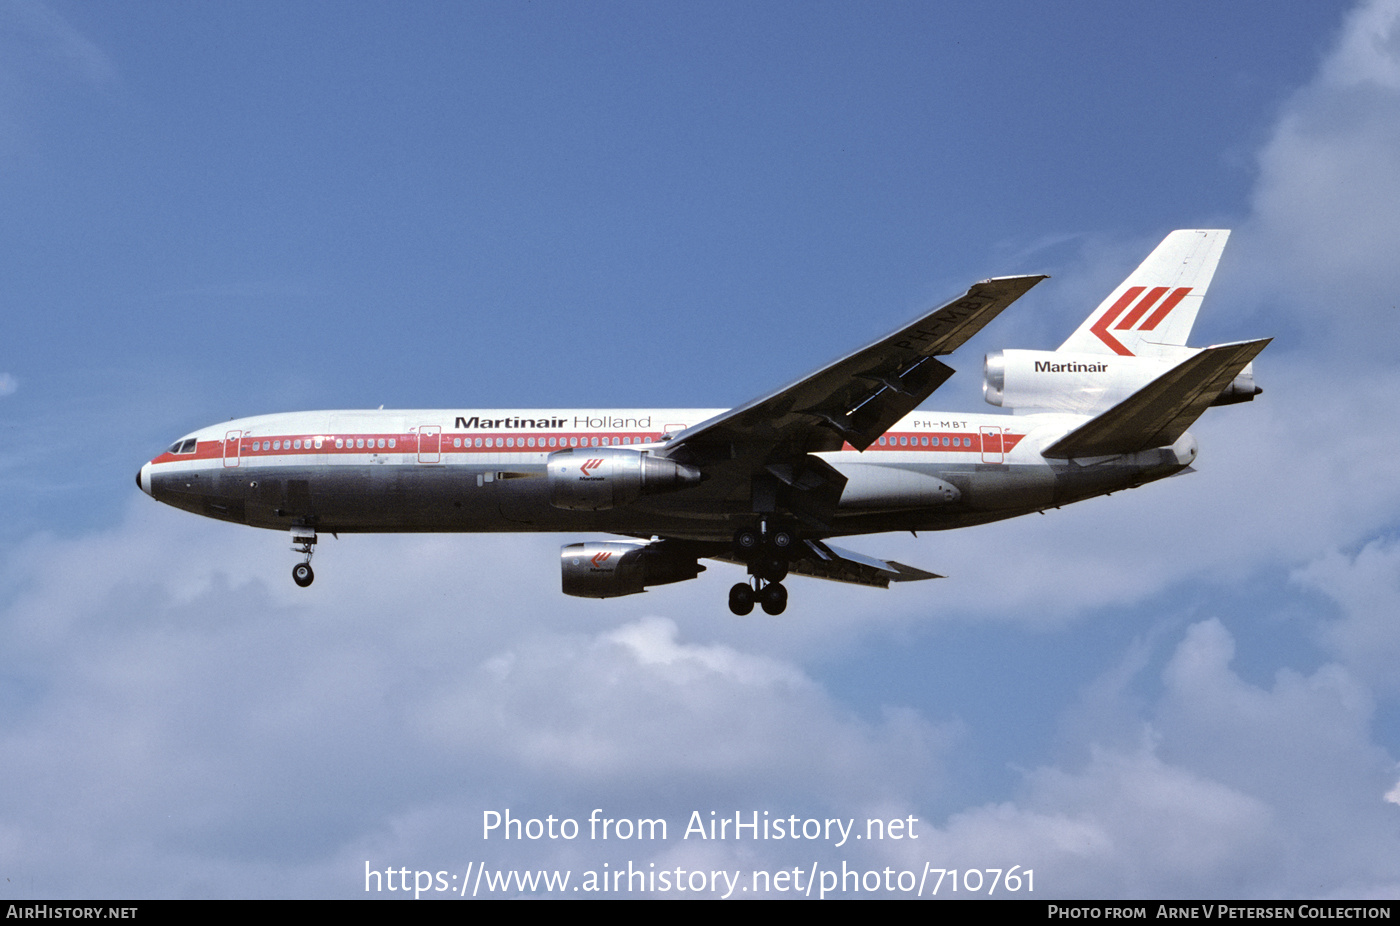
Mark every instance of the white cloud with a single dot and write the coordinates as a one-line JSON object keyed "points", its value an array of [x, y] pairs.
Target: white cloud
{"points": [[8, 384], [1232, 790], [1327, 203], [182, 722], [1366, 588]]}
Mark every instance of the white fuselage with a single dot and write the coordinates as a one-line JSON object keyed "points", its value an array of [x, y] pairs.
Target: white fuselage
{"points": [[445, 470]]}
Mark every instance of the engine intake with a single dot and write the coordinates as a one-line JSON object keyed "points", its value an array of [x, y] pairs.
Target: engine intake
{"points": [[598, 478], [611, 569]]}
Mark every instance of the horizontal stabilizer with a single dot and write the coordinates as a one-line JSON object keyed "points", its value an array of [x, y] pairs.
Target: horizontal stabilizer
{"points": [[1160, 412]]}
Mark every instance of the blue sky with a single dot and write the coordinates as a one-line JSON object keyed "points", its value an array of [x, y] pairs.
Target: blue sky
{"points": [[1186, 690]]}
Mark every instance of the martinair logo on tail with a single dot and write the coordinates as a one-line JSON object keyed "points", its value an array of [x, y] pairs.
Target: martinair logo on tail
{"points": [[1140, 307]]}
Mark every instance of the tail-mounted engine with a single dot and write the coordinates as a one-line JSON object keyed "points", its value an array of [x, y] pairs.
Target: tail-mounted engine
{"points": [[610, 569], [1083, 383], [598, 478]]}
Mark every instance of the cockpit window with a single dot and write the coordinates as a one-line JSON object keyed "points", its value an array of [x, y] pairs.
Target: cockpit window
{"points": [[185, 446]]}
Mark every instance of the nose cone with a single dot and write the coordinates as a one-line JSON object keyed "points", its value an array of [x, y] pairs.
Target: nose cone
{"points": [[143, 479]]}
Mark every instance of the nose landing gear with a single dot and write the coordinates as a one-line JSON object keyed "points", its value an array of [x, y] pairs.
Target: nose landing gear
{"points": [[303, 541]]}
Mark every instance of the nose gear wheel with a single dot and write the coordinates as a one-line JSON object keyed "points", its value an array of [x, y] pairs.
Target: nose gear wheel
{"points": [[303, 541]]}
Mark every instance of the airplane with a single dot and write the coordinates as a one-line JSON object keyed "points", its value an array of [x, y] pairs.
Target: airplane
{"points": [[765, 485]]}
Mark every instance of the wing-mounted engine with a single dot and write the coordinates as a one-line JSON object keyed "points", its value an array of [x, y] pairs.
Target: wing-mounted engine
{"points": [[610, 569], [1086, 383], [598, 478]]}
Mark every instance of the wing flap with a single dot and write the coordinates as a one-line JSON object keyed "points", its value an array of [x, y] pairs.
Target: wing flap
{"points": [[1161, 411], [836, 565]]}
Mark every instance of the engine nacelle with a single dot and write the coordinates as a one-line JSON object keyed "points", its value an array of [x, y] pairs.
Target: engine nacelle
{"points": [[1241, 389], [1066, 382], [598, 478], [1082, 383], [610, 569]]}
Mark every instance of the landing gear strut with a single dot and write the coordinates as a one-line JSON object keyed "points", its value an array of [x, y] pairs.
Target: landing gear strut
{"points": [[303, 541], [767, 554]]}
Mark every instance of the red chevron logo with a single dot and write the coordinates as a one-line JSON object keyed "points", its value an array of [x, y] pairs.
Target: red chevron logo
{"points": [[1140, 307], [591, 464], [600, 558]]}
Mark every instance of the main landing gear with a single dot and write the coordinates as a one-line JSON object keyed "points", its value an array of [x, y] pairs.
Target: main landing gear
{"points": [[303, 541], [771, 595], [767, 555]]}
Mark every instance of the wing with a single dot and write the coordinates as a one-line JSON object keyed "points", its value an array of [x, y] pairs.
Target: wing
{"points": [[857, 398], [758, 457]]}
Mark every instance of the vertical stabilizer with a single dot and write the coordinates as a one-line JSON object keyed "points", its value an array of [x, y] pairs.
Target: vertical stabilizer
{"points": [[1152, 311]]}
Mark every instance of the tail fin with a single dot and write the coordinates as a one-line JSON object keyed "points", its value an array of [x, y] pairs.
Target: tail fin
{"points": [[1152, 311], [1161, 411]]}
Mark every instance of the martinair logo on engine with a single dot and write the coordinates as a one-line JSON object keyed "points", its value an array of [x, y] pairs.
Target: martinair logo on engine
{"points": [[590, 465], [599, 559]]}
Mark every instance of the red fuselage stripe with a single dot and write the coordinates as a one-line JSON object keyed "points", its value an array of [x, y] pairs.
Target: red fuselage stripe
{"points": [[941, 442]]}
